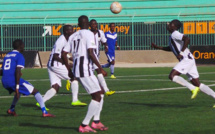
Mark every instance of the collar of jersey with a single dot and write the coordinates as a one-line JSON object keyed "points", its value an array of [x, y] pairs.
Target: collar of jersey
{"points": [[15, 51]]}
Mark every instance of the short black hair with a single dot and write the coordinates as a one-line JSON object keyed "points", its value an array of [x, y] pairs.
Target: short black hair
{"points": [[82, 20], [111, 24], [65, 27], [177, 23], [17, 43], [93, 20]]}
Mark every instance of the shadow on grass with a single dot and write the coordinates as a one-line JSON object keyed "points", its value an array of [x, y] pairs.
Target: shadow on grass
{"points": [[158, 105], [46, 126]]}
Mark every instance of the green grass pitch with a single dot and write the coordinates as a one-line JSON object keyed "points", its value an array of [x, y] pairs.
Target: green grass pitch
{"points": [[146, 102]]}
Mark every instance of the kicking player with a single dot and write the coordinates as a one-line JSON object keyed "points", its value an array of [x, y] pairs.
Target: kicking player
{"points": [[82, 48], [99, 39], [178, 43], [111, 37], [58, 71], [12, 81]]}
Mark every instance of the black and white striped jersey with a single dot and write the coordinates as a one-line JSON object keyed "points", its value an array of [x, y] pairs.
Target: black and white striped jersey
{"points": [[57, 49], [99, 38], [176, 44], [78, 46]]}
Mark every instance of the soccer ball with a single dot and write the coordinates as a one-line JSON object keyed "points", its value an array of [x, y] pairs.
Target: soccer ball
{"points": [[116, 7]]}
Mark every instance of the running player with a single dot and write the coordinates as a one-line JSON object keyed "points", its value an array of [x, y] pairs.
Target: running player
{"points": [[12, 81], [178, 43], [82, 48], [111, 37], [99, 39], [57, 70]]}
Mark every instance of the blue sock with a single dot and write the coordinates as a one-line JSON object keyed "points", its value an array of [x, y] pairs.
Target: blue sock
{"points": [[106, 65], [112, 69], [44, 110], [12, 107]]}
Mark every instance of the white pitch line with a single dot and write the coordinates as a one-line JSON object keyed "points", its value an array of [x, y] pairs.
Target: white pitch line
{"points": [[119, 92]]}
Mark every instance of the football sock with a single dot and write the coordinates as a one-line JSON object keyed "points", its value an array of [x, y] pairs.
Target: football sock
{"points": [[183, 82], [207, 90], [15, 100], [102, 82], [39, 99], [106, 65], [97, 114], [49, 94], [74, 89], [92, 109], [112, 69]]}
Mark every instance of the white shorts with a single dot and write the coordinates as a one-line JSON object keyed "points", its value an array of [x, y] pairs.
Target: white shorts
{"points": [[187, 66], [56, 74], [90, 83]]}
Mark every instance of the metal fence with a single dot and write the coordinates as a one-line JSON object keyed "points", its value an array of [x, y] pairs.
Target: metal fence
{"points": [[131, 35]]}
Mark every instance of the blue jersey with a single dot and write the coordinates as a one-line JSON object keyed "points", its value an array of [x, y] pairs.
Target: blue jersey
{"points": [[111, 41], [12, 60]]}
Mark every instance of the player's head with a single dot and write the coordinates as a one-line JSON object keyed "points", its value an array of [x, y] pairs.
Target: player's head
{"points": [[112, 27], [174, 25], [83, 22], [93, 25], [18, 44], [67, 30]]}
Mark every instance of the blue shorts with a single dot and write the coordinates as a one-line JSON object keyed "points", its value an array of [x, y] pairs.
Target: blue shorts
{"points": [[110, 56], [25, 87]]}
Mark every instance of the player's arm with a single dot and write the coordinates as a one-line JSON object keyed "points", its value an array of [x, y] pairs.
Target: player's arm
{"points": [[56, 58], [161, 48], [18, 76], [95, 61], [186, 42]]}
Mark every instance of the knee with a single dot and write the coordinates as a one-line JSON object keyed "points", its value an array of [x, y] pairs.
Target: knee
{"points": [[56, 87], [96, 96], [35, 91], [171, 76]]}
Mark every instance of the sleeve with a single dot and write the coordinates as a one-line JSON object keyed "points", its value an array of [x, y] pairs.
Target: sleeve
{"points": [[177, 35], [90, 40], [20, 61], [103, 39], [58, 47]]}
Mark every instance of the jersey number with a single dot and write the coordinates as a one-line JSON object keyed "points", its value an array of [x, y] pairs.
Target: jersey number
{"points": [[7, 64]]}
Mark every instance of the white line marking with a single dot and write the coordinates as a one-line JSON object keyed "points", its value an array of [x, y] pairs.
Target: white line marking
{"points": [[118, 92]]}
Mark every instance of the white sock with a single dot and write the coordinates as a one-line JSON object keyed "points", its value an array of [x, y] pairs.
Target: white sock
{"points": [[207, 90], [183, 82], [102, 82], [74, 89], [97, 115], [92, 109], [49, 94], [39, 99]]}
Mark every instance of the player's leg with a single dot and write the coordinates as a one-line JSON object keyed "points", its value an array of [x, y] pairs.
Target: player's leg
{"points": [[174, 76], [112, 69], [75, 89], [96, 124], [194, 77], [10, 86], [103, 83], [12, 111], [39, 99], [55, 84], [91, 85], [26, 89], [109, 61]]}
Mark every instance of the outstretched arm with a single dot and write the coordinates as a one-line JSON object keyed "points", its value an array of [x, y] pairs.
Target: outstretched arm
{"points": [[161, 48]]}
